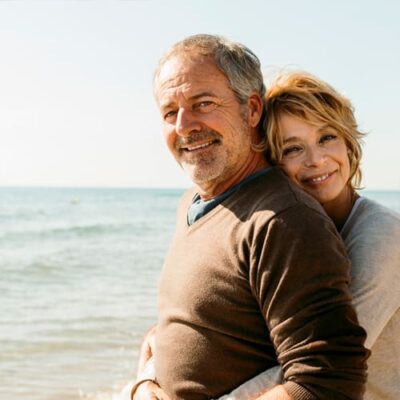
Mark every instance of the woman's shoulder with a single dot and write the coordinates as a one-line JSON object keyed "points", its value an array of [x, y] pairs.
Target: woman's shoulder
{"points": [[372, 240], [369, 215], [372, 231]]}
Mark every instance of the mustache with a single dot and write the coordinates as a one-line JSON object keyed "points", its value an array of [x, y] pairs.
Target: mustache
{"points": [[195, 137]]}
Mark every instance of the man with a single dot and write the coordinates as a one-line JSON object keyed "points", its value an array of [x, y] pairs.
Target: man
{"points": [[256, 274]]}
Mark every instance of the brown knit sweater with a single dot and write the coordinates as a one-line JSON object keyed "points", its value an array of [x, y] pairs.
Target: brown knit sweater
{"points": [[260, 279]]}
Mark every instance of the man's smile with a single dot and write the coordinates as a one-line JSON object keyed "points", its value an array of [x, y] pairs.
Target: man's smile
{"points": [[194, 146]]}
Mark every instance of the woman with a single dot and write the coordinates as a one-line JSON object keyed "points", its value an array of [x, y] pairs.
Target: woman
{"points": [[311, 133]]}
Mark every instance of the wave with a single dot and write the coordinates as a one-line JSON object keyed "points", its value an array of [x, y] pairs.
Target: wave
{"points": [[89, 230]]}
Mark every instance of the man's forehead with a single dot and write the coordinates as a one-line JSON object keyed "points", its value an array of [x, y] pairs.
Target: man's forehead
{"points": [[173, 68], [183, 75]]}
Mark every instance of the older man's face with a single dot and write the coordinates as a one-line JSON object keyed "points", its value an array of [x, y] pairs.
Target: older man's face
{"points": [[205, 126]]}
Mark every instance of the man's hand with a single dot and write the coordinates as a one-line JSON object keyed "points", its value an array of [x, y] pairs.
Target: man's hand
{"points": [[149, 391]]}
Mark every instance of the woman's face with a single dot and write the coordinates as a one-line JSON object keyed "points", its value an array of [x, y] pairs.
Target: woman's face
{"points": [[315, 157]]}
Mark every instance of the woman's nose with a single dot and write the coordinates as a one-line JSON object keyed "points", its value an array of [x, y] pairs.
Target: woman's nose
{"points": [[314, 157]]}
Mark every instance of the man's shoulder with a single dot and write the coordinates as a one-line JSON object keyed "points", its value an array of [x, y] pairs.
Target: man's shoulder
{"points": [[273, 192]]}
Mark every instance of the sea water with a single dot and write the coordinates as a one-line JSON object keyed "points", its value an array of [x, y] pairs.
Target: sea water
{"points": [[79, 272]]}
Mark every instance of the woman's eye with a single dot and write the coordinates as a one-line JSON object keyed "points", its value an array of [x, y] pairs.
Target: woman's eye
{"points": [[328, 137], [290, 151]]}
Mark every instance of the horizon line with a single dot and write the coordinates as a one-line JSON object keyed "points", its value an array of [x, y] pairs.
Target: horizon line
{"points": [[138, 187]]}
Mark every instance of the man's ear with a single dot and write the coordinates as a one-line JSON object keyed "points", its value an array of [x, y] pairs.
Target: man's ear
{"points": [[255, 106]]}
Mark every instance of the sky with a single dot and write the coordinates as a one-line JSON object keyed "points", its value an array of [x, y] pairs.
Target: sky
{"points": [[76, 99]]}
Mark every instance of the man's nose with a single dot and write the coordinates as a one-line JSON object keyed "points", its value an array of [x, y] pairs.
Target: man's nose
{"points": [[186, 122], [314, 157]]}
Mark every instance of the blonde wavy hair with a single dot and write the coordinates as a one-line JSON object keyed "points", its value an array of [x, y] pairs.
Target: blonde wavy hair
{"points": [[304, 96]]}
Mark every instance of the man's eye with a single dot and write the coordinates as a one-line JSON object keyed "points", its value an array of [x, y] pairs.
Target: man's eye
{"points": [[204, 105], [169, 115], [291, 151]]}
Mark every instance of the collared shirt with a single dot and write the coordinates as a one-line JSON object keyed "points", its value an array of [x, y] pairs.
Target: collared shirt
{"points": [[199, 207]]}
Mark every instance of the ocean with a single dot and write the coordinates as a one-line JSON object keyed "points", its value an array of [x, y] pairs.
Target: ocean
{"points": [[79, 274]]}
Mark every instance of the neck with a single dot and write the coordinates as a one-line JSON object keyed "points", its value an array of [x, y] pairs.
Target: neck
{"points": [[209, 190], [339, 209]]}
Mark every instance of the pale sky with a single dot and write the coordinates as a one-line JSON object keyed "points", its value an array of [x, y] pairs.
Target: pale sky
{"points": [[76, 102]]}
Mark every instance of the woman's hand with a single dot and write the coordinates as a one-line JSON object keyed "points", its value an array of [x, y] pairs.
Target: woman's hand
{"points": [[149, 391], [147, 349]]}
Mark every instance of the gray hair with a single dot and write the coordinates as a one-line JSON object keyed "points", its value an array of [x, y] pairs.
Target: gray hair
{"points": [[237, 62]]}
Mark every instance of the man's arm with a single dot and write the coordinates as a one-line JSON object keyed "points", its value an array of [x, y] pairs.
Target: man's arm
{"points": [[371, 237], [300, 279], [255, 389]]}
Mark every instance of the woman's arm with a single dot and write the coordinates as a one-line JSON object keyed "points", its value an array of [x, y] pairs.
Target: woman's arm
{"points": [[256, 386], [372, 237]]}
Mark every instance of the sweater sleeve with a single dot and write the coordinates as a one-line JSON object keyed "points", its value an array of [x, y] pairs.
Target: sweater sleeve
{"points": [[299, 273]]}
